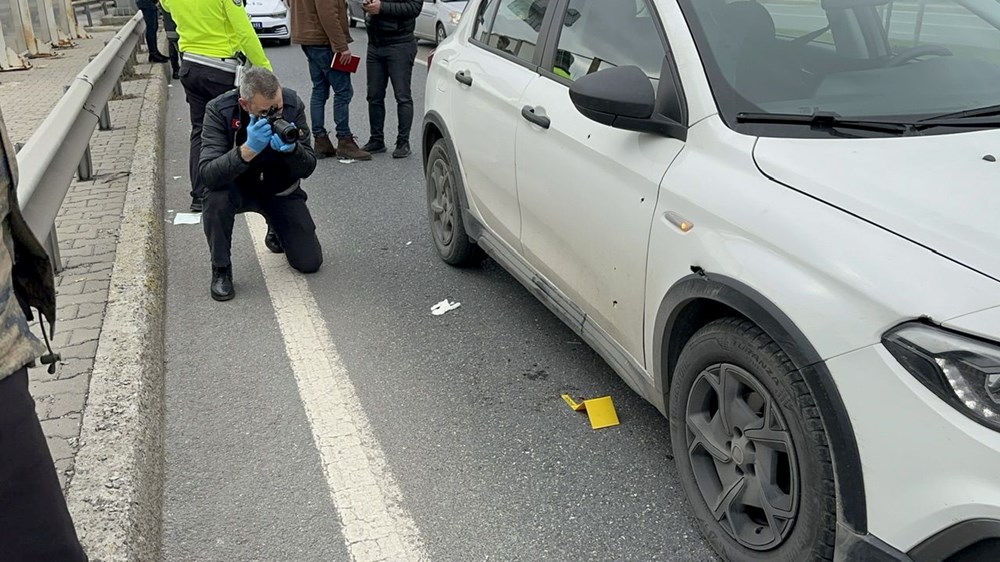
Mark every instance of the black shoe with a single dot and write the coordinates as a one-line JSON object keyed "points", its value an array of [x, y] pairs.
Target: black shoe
{"points": [[158, 58], [272, 242], [374, 147], [402, 150], [177, 75], [197, 205], [222, 283]]}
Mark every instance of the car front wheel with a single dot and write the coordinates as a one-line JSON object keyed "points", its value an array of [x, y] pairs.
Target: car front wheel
{"points": [[444, 208], [750, 447]]}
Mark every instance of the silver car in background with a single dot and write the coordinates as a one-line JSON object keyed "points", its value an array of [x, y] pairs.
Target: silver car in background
{"points": [[439, 19]]}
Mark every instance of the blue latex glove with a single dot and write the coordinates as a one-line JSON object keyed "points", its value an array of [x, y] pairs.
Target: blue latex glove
{"points": [[280, 145], [258, 134]]}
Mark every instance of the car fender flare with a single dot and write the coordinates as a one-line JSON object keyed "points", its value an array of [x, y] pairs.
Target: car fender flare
{"points": [[433, 119], [734, 294]]}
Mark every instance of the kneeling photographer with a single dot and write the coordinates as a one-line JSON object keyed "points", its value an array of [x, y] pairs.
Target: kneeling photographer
{"points": [[256, 148]]}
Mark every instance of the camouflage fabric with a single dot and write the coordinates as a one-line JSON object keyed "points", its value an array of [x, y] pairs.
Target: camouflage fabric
{"points": [[25, 273]]}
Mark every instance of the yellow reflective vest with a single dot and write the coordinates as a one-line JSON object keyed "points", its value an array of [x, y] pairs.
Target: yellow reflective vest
{"points": [[216, 28]]}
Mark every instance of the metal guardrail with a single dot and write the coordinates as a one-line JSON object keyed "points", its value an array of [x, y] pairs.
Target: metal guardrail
{"points": [[60, 146], [106, 6]]}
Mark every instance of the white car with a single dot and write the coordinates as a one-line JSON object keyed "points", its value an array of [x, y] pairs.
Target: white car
{"points": [[438, 19], [271, 19], [773, 219]]}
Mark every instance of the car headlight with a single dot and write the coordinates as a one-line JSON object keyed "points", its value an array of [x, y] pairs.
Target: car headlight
{"points": [[455, 17], [962, 370], [277, 15]]}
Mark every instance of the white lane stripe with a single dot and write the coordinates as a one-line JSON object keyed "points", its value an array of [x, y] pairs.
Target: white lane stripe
{"points": [[421, 62], [374, 524]]}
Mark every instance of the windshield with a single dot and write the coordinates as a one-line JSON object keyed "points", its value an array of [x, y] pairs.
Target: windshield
{"points": [[901, 59]]}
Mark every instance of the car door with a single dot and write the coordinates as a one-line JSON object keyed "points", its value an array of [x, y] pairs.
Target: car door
{"points": [[587, 191], [492, 71], [427, 19]]}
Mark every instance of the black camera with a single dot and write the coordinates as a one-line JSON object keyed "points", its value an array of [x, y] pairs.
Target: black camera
{"points": [[286, 131]]}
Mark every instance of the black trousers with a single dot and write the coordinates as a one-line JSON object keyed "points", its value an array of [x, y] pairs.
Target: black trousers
{"points": [[384, 64], [173, 52], [151, 17], [34, 521], [202, 84], [286, 215]]}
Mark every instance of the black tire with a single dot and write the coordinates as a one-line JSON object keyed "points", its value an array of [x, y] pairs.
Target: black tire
{"points": [[444, 210], [439, 34], [735, 395], [354, 22]]}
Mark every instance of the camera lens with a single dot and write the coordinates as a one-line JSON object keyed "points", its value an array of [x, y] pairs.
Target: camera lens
{"points": [[286, 131]]}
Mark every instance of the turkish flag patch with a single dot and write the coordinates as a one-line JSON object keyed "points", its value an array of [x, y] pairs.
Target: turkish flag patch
{"points": [[236, 124]]}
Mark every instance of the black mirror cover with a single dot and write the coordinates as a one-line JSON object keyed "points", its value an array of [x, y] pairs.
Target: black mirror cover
{"points": [[623, 91]]}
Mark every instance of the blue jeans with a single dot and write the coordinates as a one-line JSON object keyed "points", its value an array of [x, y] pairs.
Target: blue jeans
{"points": [[323, 78]]}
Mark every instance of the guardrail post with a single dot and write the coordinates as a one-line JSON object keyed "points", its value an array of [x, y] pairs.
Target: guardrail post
{"points": [[85, 171], [104, 119], [52, 247]]}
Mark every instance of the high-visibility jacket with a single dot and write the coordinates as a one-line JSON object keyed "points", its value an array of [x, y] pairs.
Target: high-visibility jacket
{"points": [[216, 28]]}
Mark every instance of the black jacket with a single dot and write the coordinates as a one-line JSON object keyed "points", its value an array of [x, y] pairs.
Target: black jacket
{"points": [[271, 172], [394, 23]]}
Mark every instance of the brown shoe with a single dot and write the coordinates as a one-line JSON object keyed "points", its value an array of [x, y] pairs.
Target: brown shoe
{"points": [[324, 147], [348, 148]]}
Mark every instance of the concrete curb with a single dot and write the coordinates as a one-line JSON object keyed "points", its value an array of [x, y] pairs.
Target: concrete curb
{"points": [[116, 494]]}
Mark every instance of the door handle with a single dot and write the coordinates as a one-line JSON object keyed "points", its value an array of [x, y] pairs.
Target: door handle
{"points": [[529, 114], [464, 77]]}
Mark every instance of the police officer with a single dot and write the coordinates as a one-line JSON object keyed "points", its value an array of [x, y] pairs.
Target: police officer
{"points": [[212, 33]]}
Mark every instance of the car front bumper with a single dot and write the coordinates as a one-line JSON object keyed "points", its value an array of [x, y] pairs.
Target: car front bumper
{"points": [[930, 481], [272, 28]]}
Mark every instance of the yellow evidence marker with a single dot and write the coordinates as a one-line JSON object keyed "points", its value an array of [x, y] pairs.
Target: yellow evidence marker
{"points": [[601, 411]]}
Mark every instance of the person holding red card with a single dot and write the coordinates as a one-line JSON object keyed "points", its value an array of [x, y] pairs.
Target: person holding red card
{"points": [[392, 49], [321, 28]]}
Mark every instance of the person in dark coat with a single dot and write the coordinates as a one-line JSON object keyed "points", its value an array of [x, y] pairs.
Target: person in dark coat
{"points": [[392, 49], [247, 166]]}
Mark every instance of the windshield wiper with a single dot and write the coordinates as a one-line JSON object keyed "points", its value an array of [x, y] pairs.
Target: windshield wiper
{"points": [[826, 120], [985, 111]]}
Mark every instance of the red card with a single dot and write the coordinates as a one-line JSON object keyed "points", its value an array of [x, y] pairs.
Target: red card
{"points": [[349, 67]]}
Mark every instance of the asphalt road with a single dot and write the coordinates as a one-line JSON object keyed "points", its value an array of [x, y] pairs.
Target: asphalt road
{"points": [[490, 462]]}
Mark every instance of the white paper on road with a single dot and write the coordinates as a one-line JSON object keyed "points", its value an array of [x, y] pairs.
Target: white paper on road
{"points": [[187, 218], [444, 306]]}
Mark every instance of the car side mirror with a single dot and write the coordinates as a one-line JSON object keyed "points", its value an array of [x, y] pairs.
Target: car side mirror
{"points": [[623, 97]]}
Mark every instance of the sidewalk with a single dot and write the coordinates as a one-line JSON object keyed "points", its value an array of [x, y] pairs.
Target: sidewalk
{"points": [[87, 230], [87, 227]]}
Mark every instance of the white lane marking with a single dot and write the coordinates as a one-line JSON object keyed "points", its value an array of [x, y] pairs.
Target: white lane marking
{"points": [[421, 62], [374, 524]]}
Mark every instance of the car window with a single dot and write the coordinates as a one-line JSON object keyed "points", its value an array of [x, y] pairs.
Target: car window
{"points": [[599, 34], [484, 19], [516, 26]]}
